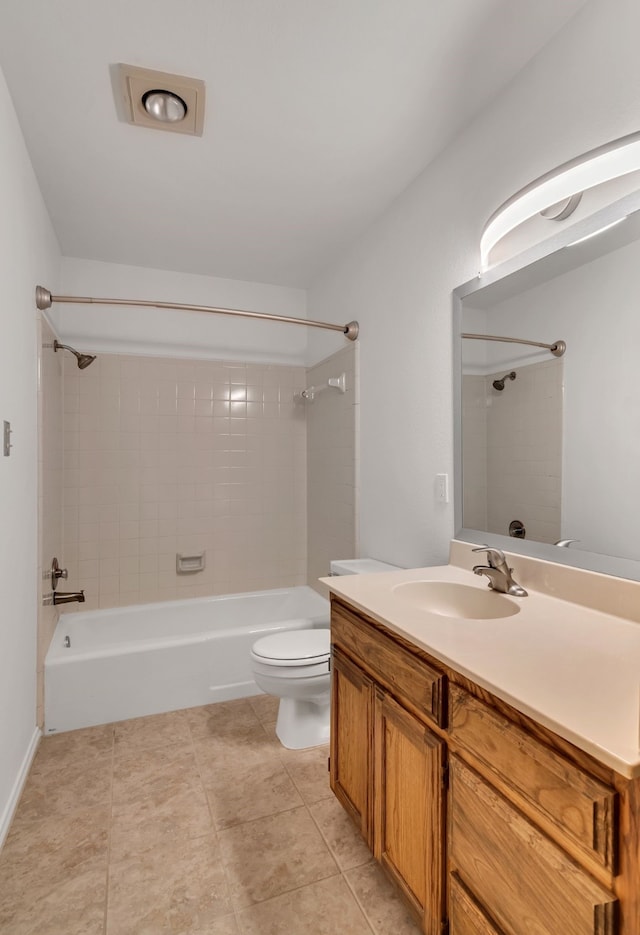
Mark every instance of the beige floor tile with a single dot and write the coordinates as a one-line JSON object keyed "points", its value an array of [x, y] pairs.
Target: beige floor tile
{"points": [[246, 744], [86, 744], [173, 812], [239, 793], [142, 794], [218, 720], [309, 771], [137, 773], [157, 730], [344, 840], [63, 790], [325, 908], [178, 889], [75, 907], [39, 856], [383, 907], [265, 708], [271, 856], [227, 925]]}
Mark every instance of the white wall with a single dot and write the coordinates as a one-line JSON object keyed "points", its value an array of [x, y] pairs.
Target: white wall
{"points": [[28, 253], [167, 333], [580, 91]]}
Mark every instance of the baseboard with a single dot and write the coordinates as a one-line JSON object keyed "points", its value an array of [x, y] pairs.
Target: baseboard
{"points": [[16, 792]]}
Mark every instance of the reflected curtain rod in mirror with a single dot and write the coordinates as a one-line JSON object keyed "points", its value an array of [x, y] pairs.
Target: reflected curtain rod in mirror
{"points": [[44, 300], [557, 348]]}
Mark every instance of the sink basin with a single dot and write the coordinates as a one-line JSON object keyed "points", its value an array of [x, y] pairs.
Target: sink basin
{"points": [[450, 599]]}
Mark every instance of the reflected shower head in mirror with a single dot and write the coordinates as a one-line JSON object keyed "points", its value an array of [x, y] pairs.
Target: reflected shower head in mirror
{"points": [[499, 384], [83, 359]]}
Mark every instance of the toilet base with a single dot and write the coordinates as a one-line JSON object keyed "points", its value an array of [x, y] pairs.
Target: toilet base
{"points": [[302, 723]]}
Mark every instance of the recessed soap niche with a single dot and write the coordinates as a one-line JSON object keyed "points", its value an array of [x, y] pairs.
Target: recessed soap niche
{"points": [[190, 564]]}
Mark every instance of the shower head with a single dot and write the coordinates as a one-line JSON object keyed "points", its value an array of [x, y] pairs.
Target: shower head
{"points": [[83, 359], [499, 384]]}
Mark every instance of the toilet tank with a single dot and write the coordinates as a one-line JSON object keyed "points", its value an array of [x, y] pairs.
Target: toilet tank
{"points": [[359, 566]]}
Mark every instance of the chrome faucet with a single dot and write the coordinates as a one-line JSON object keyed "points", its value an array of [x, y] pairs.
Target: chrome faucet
{"points": [[498, 572], [68, 597]]}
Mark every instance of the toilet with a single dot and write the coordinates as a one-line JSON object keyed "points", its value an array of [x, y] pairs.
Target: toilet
{"points": [[294, 665]]}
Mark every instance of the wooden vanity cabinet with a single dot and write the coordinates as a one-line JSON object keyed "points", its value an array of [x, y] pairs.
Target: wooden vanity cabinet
{"points": [[387, 765], [488, 823]]}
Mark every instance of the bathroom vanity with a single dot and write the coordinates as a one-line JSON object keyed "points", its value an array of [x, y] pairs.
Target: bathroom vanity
{"points": [[489, 763]]}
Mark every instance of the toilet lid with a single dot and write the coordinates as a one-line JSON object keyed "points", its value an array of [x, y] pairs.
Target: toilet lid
{"points": [[294, 645]]}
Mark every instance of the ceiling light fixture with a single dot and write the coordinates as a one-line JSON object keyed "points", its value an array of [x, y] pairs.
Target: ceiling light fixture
{"points": [[159, 100], [164, 106], [599, 165]]}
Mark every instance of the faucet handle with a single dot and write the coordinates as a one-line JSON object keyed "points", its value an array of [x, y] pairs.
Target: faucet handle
{"points": [[495, 557], [57, 573]]}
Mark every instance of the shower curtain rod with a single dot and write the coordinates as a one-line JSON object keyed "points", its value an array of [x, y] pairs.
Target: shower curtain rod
{"points": [[45, 300], [557, 348]]}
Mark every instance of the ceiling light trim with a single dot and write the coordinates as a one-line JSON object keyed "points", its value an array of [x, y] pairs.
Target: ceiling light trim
{"points": [[137, 84], [607, 162]]}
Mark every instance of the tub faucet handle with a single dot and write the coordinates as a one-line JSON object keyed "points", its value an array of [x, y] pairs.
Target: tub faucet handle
{"points": [[57, 573]]}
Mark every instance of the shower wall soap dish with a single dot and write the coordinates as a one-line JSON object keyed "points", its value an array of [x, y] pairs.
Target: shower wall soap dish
{"points": [[189, 564]]}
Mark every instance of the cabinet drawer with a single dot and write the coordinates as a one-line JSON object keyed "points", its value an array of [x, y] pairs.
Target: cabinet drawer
{"points": [[406, 676], [465, 916], [515, 872], [581, 806]]}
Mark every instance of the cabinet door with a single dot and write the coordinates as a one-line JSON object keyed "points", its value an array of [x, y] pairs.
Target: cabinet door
{"points": [[521, 878], [351, 772], [408, 809]]}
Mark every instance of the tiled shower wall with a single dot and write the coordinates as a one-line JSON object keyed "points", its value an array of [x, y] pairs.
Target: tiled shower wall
{"points": [[50, 487], [167, 456], [474, 450], [331, 464], [523, 469]]}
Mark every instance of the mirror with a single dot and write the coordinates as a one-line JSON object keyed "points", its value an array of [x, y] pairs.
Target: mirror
{"points": [[549, 447]]}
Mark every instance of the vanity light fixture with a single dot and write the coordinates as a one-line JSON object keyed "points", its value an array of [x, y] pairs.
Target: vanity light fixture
{"points": [[602, 164]]}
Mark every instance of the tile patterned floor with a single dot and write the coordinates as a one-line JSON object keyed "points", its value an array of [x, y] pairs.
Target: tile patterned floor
{"points": [[195, 822]]}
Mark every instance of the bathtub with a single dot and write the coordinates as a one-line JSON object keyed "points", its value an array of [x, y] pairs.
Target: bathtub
{"points": [[145, 659]]}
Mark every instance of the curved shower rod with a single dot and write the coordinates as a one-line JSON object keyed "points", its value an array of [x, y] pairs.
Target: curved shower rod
{"points": [[557, 348], [45, 300]]}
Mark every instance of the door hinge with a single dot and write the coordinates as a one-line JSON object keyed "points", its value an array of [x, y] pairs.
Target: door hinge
{"points": [[329, 661], [328, 764], [445, 778]]}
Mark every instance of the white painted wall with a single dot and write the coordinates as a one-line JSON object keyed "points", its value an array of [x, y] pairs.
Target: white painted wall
{"points": [[168, 333], [580, 91], [28, 252]]}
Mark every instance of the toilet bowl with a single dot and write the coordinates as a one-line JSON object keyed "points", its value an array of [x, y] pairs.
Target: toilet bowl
{"points": [[294, 666]]}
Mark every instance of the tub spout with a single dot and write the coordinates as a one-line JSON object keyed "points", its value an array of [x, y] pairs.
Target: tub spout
{"points": [[68, 597]]}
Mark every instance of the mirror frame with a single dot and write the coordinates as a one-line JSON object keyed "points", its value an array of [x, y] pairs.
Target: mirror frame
{"points": [[522, 266]]}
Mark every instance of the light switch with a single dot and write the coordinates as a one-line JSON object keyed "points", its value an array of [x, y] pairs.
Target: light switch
{"points": [[442, 488], [6, 444]]}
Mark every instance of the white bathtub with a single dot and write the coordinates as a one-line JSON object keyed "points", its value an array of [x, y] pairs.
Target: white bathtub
{"points": [[130, 661]]}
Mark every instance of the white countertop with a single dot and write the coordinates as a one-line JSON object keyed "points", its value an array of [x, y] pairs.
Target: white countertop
{"points": [[572, 668]]}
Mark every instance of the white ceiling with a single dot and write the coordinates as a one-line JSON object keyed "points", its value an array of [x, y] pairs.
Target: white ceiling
{"points": [[319, 112]]}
